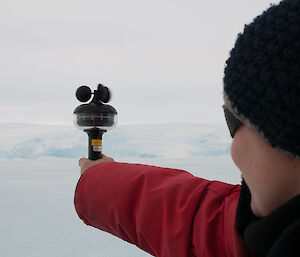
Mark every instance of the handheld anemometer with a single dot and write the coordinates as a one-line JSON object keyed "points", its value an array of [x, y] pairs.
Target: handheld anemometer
{"points": [[95, 118]]}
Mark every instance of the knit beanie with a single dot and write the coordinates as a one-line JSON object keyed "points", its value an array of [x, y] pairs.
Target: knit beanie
{"points": [[262, 77]]}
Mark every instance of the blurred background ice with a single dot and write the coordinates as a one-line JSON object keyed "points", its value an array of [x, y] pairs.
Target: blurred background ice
{"points": [[39, 172]]}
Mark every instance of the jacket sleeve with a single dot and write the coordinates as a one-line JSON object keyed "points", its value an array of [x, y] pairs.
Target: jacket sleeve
{"points": [[165, 212]]}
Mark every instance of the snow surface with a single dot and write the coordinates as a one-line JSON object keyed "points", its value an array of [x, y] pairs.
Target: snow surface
{"points": [[39, 172]]}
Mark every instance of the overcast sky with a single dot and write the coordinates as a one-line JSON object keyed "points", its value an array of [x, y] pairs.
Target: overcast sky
{"points": [[162, 59]]}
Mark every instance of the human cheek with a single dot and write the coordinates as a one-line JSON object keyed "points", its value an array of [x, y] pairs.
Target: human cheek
{"points": [[240, 152], [235, 152]]}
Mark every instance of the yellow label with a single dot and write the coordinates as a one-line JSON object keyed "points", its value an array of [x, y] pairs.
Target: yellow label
{"points": [[96, 142]]}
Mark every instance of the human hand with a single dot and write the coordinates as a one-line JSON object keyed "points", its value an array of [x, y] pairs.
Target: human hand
{"points": [[85, 163]]}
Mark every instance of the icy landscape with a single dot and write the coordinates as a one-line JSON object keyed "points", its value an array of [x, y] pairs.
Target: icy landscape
{"points": [[39, 172]]}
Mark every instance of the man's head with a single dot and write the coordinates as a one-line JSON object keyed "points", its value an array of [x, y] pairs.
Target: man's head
{"points": [[262, 91]]}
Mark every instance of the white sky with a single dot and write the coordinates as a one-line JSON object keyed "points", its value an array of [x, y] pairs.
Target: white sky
{"points": [[162, 59]]}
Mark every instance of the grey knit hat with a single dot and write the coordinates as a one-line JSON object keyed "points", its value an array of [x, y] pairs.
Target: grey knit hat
{"points": [[262, 77]]}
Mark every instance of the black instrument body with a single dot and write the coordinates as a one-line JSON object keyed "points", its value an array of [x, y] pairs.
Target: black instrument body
{"points": [[95, 118]]}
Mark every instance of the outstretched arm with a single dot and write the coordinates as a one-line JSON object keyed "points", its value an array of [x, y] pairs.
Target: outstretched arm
{"points": [[166, 212]]}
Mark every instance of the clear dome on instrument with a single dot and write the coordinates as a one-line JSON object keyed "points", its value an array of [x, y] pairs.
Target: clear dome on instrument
{"points": [[101, 121], [95, 116]]}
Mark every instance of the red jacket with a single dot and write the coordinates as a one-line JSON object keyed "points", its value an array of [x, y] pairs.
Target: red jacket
{"points": [[166, 212]]}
